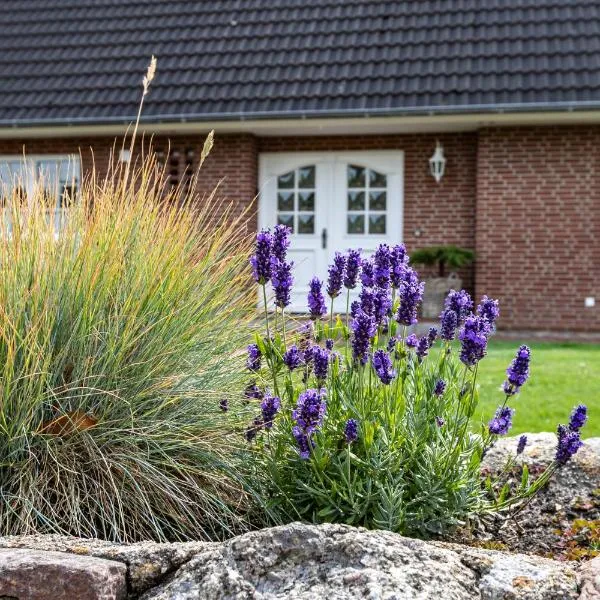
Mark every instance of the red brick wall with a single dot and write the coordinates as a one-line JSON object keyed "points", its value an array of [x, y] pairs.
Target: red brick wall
{"points": [[538, 225], [444, 212]]}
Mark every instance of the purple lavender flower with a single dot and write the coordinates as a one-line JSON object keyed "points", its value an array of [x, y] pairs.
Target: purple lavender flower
{"points": [[578, 417], [336, 275], [253, 391], [440, 422], [518, 371], [281, 241], [307, 335], [305, 444], [292, 358], [381, 266], [353, 261], [521, 445], [432, 335], [355, 306], [316, 302], [382, 305], [367, 300], [439, 388], [460, 302], [382, 363], [363, 327], [410, 293], [423, 346], [411, 340], [329, 344], [569, 443], [224, 404], [254, 356], [320, 363], [367, 275], [270, 407], [282, 280], [474, 338], [489, 309], [449, 323], [398, 264], [351, 431], [310, 409], [261, 260], [502, 421]]}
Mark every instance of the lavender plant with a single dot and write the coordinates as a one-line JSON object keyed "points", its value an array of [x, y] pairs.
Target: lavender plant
{"points": [[355, 419]]}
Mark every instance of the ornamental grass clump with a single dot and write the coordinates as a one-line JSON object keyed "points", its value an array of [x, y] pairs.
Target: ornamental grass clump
{"points": [[372, 424]]}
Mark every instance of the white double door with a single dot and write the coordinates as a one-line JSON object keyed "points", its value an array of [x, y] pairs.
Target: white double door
{"points": [[333, 201]]}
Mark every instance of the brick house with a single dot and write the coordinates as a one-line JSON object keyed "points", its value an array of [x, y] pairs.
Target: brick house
{"points": [[332, 110]]}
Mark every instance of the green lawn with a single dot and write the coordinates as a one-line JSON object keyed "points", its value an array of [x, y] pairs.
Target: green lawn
{"points": [[562, 376]]}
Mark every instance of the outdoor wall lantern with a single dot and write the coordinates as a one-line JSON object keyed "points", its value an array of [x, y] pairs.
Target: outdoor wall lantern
{"points": [[437, 163]]}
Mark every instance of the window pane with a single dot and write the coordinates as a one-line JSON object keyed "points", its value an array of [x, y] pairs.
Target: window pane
{"points": [[306, 201], [306, 177], [377, 179], [356, 176], [377, 200], [286, 219], [356, 223], [356, 201], [376, 223], [306, 223], [285, 201], [286, 180]]}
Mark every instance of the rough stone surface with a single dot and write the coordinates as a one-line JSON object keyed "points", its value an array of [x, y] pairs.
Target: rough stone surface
{"points": [[300, 561], [573, 493], [589, 580], [39, 575], [147, 562]]}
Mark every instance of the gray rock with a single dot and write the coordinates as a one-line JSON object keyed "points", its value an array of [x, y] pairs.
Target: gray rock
{"points": [[573, 493], [589, 580], [40, 575], [147, 562], [300, 561]]}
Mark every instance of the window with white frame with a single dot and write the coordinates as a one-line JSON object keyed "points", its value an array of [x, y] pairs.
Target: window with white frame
{"points": [[57, 175]]}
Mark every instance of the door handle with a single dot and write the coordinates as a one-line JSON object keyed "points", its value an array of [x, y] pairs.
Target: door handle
{"points": [[324, 238]]}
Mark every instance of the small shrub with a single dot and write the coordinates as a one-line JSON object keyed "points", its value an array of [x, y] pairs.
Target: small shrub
{"points": [[115, 336], [360, 422]]}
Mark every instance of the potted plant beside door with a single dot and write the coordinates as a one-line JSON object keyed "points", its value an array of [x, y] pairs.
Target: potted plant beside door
{"points": [[447, 259]]}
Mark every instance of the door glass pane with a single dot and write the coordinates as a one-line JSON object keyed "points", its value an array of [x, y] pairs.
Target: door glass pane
{"points": [[377, 224], [285, 201], [377, 180], [286, 180], [286, 219], [377, 200], [306, 177], [356, 200], [306, 201], [356, 223], [356, 176], [306, 223]]}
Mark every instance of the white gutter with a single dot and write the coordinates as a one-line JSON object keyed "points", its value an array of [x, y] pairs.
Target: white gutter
{"points": [[330, 125]]}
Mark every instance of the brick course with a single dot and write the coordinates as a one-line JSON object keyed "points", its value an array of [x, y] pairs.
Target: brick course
{"points": [[526, 199]]}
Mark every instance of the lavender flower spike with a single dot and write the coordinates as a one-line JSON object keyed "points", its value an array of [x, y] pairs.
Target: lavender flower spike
{"points": [[518, 371], [398, 265], [367, 275], [316, 302], [382, 263], [521, 445], [292, 358], [448, 324], [382, 364], [336, 275], [270, 407], [488, 309], [460, 302], [282, 280], [320, 363], [305, 444], [439, 388], [578, 417], [410, 293], [423, 346], [412, 340], [254, 356], [310, 409], [502, 421], [569, 443], [363, 328], [353, 261], [281, 241], [261, 260], [474, 339], [351, 431]]}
